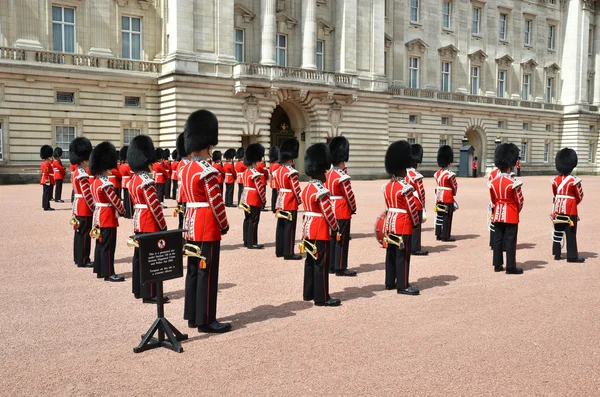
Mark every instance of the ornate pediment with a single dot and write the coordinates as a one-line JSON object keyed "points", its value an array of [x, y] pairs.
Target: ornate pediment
{"points": [[143, 4], [552, 69], [505, 60], [244, 12], [326, 26], [448, 51], [478, 56], [388, 40], [529, 65], [416, 45], [287, 19]]}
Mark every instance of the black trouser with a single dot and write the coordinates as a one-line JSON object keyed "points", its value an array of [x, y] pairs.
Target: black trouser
{"points": [[46, 193], [200, 307], [168, 188], [474, 173], [72, 193], [82, 242], [181, 215], [274, 195], [52, 192], [58, 190], [118, 192], [127, 204], [518, 171], [229, 194], [104, 254], [444, 230], [222, 191], [174, 193], [240, 191], [285, 235], [570, 233], [505, 238], [316, 275], [415, 241], [338, 258], [160, 191], [397, 264], [251, 221], [140, 291]]}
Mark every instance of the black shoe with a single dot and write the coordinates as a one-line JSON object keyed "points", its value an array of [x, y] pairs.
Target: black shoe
{"points": [[215, 328], [331, 302], [278, 256], [557, 257], [409, 291], [346, 273], [115, 278], [576, 260], [294, 257], [331, 271], [420, 253], [89, 264], [307, 299], [155, 300], [449, 239], [256, 247], [499, 268], [192, 325], [60, 201], [389, 287], [516, 270], [48, 209]]}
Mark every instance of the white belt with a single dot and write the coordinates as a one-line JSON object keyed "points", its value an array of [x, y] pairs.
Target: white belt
{"points": [[140, 206], [249, 188], [126, 177], [282, 190], [315, 214], [397, 210], [336, 197], [78, 195], [443, 188], [197, 205], [562, 196], [112, 176], [228, 173], [158, 173], [55, 169], [103, 205]]}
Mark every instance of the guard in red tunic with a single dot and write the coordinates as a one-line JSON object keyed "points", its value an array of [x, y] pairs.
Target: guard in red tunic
{"points": [[288, 200], [493, 175], [415, 179], [183, 160], [148, 216], [273, 167], [254, 196], [474, 167], [444, 194], [166, 162], [83, 201], [319, 224], [568, 193], [125, 171], [205, 220], [507, 199], [47, 177], [519, 166], [174, 177], [59, 174], [239, 170], [402, 215], [230, 176], [159, 174], [216, 158], [262, 168], [337, 181], [108, 207]]}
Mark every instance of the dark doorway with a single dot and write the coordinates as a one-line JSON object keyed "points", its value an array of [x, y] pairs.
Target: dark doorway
{"points": [[280, 127]]}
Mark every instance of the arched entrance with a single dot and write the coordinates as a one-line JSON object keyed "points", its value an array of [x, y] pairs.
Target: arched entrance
{"points": [[288, 120], [475, 139]]}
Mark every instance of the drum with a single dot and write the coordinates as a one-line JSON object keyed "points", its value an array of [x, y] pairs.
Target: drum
{"points": [[379, 223]]}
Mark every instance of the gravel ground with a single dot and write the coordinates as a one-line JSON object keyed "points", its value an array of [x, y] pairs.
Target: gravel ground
{"points": [[471, 332]]}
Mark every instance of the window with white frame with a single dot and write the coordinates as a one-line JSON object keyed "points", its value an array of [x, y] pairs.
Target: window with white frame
{"points": [[549, 89], [445, 120], [528, 29], [64, 135], [592, 152], [549, 128], [546, 151], [501, 86], [413, 119], [281, 50], [526, 87], [501, 124], [412, 140], [551, 37], [476, 28], [133, 102], [413, 72], [447, 14], [63, 29], [475, 75], [320, 55], [523, 152], [502, 34], [65, 97], [525, 126], [552, 2], [443, 141], [131, 37], [414, 10], [1, 144], [446, 76], [238, 45], [129, 134]]}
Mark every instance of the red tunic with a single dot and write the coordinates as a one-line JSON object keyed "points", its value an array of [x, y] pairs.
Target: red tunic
{"points": [[148, 216], [342, 196], [205, 215], [180, 196], [159, 173], [319, 218], [289, 197], [474, 165], [174, 169], [72, 167], [108, 205], [47, 177], [221, 176], [415, 179], [273, 167], [230, 174], [262, 168], [240, 167], [115, 178], [83, 200], [254, 193], [446, 186], [507, 199], [125, 171], [568, 193], [401, 206], [167, 166], [518, 164], [495, 172], [59, 170]]}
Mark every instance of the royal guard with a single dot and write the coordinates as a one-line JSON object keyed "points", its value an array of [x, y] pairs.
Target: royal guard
{"points": [[216, 157], [239, 170], [83, 201], [507, 199], [319, 225], [444, 194], [230, 176], [125, 171], [206, 222], [59, 174], [115, 179], [108, 206], [254, 196], [568, 193], [493, 175], [47, 178], [288, 200], [174, 177], [344, 205], [415, 179], [273, 167], [474, 167], [159, 174], [518, 165], [166, 162], [183, 160], [262, 168], [148, 216]]}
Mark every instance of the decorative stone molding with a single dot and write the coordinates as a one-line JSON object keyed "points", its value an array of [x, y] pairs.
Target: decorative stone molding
{"points": [[529, 65], [477, 57], [552, 69], [588, 5], [334, 115], [121, 3], [448, 52], [287, 19], [505, 61], [416, 46], [143, 4], [280, 5], [322, 3], [325, 26], [245, 13], [591, 75], [388, 40], [251, 109]]}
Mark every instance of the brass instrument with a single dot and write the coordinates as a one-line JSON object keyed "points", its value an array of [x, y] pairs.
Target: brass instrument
{"points": [[195, 252], [440, 208], [74, 222], [309, 248], [133, 243], [393, 239], [178, 210], [244, 207], [562, 219], [96, 233], [284, 215]]}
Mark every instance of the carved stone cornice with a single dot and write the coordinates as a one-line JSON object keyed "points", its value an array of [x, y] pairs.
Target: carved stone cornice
{"points": [[505, 61], [246, 14], [478, 56], [529, 65], [416, 45], [448, 51]]}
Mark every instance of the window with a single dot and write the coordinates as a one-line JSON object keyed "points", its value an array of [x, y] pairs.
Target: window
{"points": [[551, 36], [501, 124], [64, 136], [446, 76], [523, 152], [447, 14], [412, 140], [548, 127], [1, 146], [526, 87], [414, 10], [238, 44], [475, 80], [525, 126], [129, 134], [590, 91], [386, 6], [552, 2], [319, 58], [281, 50], [132, 101], [63, 29], [413, 119], [501, 83], [385, 63], [592, 152], [528, 31], [443, 142], [445, 120], [476, 20], [592, 128], [503, 27], [549, 89], [546, 151], [65, 97], [413, 70], [591, 41], [131, 37]]}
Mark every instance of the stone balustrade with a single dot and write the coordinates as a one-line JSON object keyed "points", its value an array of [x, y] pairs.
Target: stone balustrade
{"points": [[14, 54], [307, 76]]}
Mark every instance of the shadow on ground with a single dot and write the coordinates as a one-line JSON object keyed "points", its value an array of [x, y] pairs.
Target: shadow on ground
{"points": [[526, 246], [368, 267], [532, 265], [436, 281], [129, 259], [466, 236], [588, 255], [439, 248], [236, 246]]}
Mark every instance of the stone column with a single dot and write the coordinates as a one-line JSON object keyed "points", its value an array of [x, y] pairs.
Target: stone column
{"points": [[269, 30], [28, 32], [378, 38], [101, 33], [309, 34], [225, 30], [180, 28], [574, 58], [345, 36], [596, 56]]}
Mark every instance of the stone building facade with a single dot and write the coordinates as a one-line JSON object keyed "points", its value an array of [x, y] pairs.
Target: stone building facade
{"points": [[435, 72]]}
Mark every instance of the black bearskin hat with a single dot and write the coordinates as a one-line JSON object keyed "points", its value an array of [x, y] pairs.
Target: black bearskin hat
{"points": [[141, 153], [45, 152], [506, 155], [445, 156], [273, 154], [398, 157], [158, 153], [166, 154], [174, 154], [229, 154], [566, 160], [239, 154], [201, 130], [288, 150], [80, 149], [417, 154], [216, 155], [180, 145], [103, 157], [123, 153], [254, 153], [317, 160], [57, 152], [340, 149]]}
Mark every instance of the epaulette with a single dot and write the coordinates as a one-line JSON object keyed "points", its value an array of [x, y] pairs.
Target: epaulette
{"points": [[344, 177], [451, 173], [576, 181], [321, 190], [106, 183], [407, 188], [418, 176], [293, 171], [82, 174], [256, 174], [517, 184], [146, 179], [207, 169]]}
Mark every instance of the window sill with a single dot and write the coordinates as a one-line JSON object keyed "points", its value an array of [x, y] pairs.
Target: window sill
{"points": [[477, 36], [416, 24], [448, 30], [504, 42], [551, 51], [528, 47]]}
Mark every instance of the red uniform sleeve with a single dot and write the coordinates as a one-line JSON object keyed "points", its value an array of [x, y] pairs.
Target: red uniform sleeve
{"points": [[578, 192], [151, 197], [554, 187], [518, 192], [421, 187], [86, 191], [328, 213], [114, 200], [296, 187], [260, 188], [454, 183], [215, 199], [411, 205], [349, 194]]}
